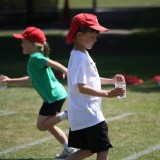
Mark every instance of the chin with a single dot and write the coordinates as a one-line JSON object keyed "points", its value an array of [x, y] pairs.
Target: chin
{"points": [[89, 47]]}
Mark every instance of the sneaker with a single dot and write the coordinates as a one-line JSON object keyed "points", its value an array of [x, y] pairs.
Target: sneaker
{"points": [[64, 115], [65, 153]]}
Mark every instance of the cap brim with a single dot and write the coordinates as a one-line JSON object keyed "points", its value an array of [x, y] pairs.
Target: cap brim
{"points": [[19, 36], [99, 28]]}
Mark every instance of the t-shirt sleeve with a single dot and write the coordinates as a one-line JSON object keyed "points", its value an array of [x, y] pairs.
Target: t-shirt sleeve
{"points": [[78, 74], [40, 61]]}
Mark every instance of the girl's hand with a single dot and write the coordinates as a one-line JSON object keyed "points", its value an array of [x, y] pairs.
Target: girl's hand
{"points": [[4, 79], [64, 75]]}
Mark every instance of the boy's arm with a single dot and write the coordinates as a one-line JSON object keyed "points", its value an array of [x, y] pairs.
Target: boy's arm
{"points": [[106, 81], [117, 77], [84, 89], [57, 66]]}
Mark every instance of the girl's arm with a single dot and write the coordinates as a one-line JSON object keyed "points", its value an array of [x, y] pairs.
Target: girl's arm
{"points": [[7, 80], [57, 66], [84, 89]]}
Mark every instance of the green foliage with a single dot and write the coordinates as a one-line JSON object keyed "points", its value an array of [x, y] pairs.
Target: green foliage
{"points": [[21, 4], [146, 35]]}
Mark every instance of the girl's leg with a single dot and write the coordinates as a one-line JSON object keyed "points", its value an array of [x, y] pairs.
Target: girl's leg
{"points": [[58, 134], [102, 155], [45, 123], [79, 155], [48, 123]]}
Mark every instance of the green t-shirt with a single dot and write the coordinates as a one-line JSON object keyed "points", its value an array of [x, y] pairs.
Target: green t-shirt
{"points": [[43, 79]]}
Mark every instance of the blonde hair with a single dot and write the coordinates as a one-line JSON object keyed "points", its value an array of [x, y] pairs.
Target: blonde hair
{"points": [[43, 48]]}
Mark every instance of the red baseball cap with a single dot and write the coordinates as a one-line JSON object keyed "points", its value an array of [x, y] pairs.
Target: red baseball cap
{"points": [[83, 20], [33, 34]]}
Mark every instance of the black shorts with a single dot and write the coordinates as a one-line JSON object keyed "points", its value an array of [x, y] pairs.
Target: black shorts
{"points": [[93, 138], [50, 109]]}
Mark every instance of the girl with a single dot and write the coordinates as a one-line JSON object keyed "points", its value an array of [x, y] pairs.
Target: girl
{"points": [[44, 81]]}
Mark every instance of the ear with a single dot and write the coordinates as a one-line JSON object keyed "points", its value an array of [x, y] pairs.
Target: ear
{"points": [[79, 35]]}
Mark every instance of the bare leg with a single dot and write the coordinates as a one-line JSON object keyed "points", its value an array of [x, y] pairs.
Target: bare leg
{"points": [[102, 155], [79, 155], [58, 134], [45, 123]]}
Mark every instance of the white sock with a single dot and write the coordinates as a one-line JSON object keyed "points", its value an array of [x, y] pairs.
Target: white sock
{"points": [[65, 145], [63, 115]]}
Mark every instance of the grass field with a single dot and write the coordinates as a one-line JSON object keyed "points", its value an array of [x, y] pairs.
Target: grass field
{"points": [[110, 3], [134, 124]]}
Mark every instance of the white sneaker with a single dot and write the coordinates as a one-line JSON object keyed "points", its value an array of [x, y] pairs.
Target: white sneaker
{"points": [[65, 153], [64, 115]]}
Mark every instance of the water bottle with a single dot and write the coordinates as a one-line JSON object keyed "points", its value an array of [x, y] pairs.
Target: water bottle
{"points": [[121, 84], [3, 85]]}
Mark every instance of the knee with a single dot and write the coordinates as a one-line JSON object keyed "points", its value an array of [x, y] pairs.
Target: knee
{"points": [[40, 127]]}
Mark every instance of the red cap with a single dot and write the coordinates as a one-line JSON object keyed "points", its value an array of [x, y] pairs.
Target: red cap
{"points": [[83, 20], [33, 34]]}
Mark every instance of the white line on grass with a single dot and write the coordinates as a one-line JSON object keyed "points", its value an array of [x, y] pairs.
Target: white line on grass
{"points": [[7, 113], [119, 117], [144, 152], [13, 149]]}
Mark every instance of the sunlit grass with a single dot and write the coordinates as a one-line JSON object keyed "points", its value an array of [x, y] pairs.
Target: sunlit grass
{"points": [[128, 135]]}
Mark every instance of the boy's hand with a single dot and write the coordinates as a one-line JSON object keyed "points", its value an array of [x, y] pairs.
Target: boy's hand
{"points": [[116, 92], [118, 77]]}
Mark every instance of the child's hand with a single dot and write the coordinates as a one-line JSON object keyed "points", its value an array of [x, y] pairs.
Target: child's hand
{"points": [[4, 79], [116, 92], [64, 75], [118, 77]]}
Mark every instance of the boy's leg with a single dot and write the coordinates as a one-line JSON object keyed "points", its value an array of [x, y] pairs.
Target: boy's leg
{"points": [[102, 155]]}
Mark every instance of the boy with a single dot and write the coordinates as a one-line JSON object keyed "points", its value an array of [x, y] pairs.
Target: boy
{"points": [[88, 129]]}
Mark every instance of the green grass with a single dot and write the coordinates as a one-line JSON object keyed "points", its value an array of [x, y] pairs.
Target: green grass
{"points": [[110, 3], [128, 135]]}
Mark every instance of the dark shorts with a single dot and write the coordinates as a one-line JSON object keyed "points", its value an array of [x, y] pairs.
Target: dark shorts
{"points": [[50, 109], [93, 138]]}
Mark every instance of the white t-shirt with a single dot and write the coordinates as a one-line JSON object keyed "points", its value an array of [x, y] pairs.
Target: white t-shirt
{"points": [[83, 110]]}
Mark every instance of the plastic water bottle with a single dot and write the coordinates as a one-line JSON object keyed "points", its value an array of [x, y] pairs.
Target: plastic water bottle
{"points": [[121, 84], [3, 86]]}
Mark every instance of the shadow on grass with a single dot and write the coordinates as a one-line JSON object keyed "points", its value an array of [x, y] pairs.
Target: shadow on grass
{"points": [[146, 87], [31, 159]]}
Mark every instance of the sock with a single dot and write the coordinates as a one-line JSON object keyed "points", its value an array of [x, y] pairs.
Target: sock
{"points": [[65, 145], [63, 115]]}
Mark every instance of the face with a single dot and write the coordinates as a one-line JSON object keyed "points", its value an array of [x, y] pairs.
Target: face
{"points": [[86, 40], [28, 46]]}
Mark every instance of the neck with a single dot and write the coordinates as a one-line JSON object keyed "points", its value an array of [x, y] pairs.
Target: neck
{"points": [[80, 49]]}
